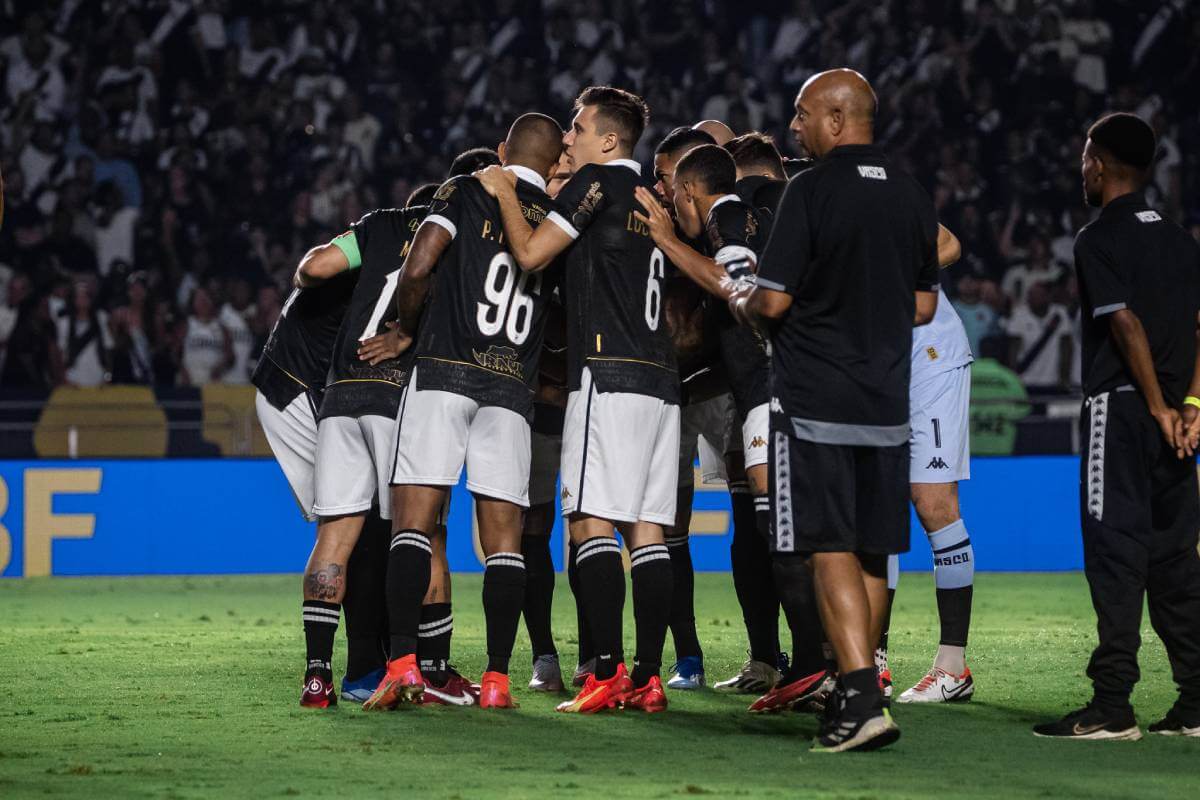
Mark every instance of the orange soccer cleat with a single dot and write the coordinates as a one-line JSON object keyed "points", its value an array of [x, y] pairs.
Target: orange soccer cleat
{"points": [[789, 695], [650, 698], [598, 695], [401, 684], [494, 692]]}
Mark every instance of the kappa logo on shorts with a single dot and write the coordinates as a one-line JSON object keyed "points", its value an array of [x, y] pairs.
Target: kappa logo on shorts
{"points": [[566, 493], [776, 406], [937, 463], [757, 442]]}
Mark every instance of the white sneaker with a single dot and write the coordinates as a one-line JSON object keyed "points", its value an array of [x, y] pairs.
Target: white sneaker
{"points": [[547, 676], [755, 677], [939, 686]]}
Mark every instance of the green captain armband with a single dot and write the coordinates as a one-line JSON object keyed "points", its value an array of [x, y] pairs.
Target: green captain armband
{"points": [[1192, 400], [348, 244]]}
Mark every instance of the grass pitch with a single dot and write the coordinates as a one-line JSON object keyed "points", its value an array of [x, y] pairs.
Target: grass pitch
{"points": [[188, 687]]}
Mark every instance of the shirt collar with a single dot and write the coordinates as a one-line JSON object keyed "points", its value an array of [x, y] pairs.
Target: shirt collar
{"points": [[725, 198], [853, 150], [626, 162], [527, 175], [1124, 201]]}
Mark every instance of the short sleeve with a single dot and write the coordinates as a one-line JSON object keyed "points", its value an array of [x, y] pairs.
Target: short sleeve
{"points": [[788, 253], [354, 241], [446, 208], [1103, 281], [579, 201], [928, 278]]}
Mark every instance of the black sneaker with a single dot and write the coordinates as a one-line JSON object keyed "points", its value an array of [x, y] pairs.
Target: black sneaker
{"points": [[844, 732], [1093, 723], [1174, 725]]}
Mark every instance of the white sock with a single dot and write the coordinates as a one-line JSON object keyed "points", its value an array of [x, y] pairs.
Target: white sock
{"points": [[951, 659]]}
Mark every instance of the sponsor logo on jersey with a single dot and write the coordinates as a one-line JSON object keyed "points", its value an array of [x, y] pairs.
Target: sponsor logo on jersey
{"points": [[874, 173], [1148, 216], [757, 441], [937, 463], [932, 353], [500, 359], [583, 214], [533, 212]]}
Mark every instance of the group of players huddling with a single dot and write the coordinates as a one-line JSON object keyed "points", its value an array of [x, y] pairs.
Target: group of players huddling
{"points": [[549, 313]]}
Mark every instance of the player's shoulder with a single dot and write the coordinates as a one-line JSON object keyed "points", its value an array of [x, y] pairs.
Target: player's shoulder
{"points": [[732, 220]]}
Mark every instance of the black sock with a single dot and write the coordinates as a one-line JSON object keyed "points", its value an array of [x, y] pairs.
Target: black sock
{"points": [[433, 646], [683, 599], [954, 611], [503, 593], [365, 603], [539, 593], [753, 579], [861, 688], [587, 650], [887, 621], [320, 626], [602, 591], [794, 581], [651, 575], [407, 582]]}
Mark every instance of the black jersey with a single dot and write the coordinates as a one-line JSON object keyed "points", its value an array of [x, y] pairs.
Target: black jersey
{"points": [[614, 285], [763, 195], [296, 356], [1130, 257], [376, 247], [855, 237], [734, 238], [487, 318]]}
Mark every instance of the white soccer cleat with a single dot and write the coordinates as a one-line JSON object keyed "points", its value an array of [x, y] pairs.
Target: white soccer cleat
{"points": [[939, 686], [755, 677]]}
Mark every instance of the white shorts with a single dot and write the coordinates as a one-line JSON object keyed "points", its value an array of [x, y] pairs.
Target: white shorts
{"points": [[940, 441], [292, 434], [353, 459], [546, 454], [440, 432], [619, 456], [704, 429]]}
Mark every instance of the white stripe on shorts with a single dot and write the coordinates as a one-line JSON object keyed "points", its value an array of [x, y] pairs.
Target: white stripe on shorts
{"points": [[785, 535], [1098, 406]]}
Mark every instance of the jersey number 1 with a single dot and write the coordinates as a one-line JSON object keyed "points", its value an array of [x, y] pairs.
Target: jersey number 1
{"points": [[381, 305], [510, 307]]}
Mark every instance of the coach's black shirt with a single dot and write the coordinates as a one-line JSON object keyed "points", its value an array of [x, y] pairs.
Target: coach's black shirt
{"points": [[296, 356], [1130, 257], [614, 285], [854, 238], [487, 318]]}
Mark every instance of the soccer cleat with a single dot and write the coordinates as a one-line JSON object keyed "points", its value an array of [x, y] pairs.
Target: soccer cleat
{"points": [[817, 702], [788, 695], [582, 671], [493, 691], [598, 695], [358, 691], [689, 674], [650, 698], [939, 686], [547, 676], [456, 691], [402, 683], [843, 733], [1092, 723], [318, 693], [885, 674], [1173, 725], [755, 677]]}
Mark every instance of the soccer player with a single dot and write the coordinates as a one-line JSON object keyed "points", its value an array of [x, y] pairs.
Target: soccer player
{"points": [[719, 131], [850, 266], [761, 178], [1139, 281], [468, 403], [621, 433]]}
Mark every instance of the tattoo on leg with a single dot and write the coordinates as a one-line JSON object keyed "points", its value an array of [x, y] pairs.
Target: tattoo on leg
{"points": [[325, 582]]}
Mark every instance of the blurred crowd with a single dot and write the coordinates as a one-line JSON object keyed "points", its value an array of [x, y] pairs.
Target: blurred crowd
{"points": [[167, 162]]}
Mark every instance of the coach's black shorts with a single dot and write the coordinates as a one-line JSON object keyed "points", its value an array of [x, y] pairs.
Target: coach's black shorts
{"points": [[829, 498]]}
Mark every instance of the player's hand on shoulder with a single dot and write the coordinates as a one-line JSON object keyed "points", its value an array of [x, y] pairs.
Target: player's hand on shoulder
{"points": [[656, 218], [496, 179], [390, 344]]}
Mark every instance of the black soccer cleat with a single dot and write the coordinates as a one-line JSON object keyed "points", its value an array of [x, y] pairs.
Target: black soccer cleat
{"points": [[1175, 724], [1094, 724], [844, 732]]}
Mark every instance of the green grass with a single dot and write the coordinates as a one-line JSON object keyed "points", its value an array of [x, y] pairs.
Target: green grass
{"points": [[187, 687]]}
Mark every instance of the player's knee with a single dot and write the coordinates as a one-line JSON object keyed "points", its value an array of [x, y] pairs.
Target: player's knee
{"points": [[936, 505]]}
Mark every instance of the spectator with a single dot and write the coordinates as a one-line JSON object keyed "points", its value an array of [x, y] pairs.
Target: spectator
{"points": [[236, 316], [84, 339], [1041, 342], [207, 347], [979, 319]]}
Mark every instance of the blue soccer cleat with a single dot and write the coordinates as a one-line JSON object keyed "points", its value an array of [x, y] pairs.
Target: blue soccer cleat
{"points": [[358, 691], [689, 674]]}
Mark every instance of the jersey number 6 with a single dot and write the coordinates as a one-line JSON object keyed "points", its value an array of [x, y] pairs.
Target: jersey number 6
{"points": [[654, 289], [510, 307]]}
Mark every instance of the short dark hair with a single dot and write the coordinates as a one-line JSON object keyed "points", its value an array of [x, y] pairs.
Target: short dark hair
{"points": [[473, 160], [422, 195], [756, 151], [710, 166], [618, 111], [1127, 137], [682, 138]]}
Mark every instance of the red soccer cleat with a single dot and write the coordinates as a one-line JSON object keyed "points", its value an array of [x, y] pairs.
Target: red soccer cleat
{"points": [[650, 698], [318, 693], [885, 682], [494, 693], [401, 684], [788, 695], [456, 691], [598, 695]]}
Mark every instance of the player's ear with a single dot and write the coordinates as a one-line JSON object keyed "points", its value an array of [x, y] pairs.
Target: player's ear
{"points": [[610, 142], [502, 151], [835, 121]]}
